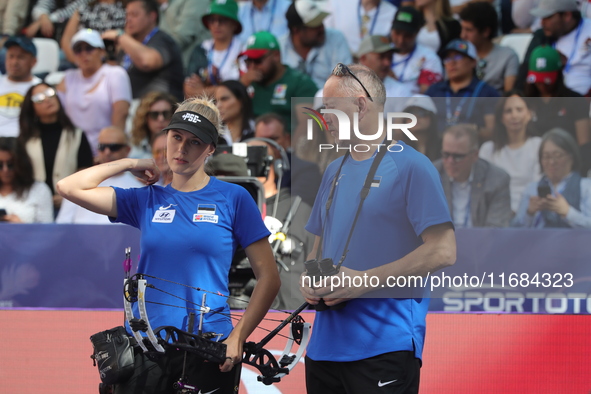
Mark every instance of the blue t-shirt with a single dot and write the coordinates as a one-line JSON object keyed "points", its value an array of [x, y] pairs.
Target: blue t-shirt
{"points": [[468, 105], [406, 198], [190, 238]]}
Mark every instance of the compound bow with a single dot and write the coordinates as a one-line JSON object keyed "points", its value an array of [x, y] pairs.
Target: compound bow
{"points": [[270, 368]]}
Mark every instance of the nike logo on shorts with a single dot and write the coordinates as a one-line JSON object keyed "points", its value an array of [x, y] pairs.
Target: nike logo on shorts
{"points": [[382, 384]]}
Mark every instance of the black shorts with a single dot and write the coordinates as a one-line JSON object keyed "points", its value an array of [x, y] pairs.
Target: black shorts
{"points": [[157, 375], [394, 373]]}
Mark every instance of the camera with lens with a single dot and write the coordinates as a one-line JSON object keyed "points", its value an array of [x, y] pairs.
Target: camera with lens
{"points": [[320, 270]]}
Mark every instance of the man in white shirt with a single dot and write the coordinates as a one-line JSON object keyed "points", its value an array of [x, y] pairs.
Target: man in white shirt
{"points": [[309, 47], [113, 145], [565, 29], [21, 57], [358, 19], [415, 65]]}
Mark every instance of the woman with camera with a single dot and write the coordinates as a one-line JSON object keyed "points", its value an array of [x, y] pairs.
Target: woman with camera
{"points": [[190, 231], [562, 198], [96, 94]]}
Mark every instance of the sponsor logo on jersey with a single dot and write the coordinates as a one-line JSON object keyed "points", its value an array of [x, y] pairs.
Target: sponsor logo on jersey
{"points": [[163, 216], [199, 217]]}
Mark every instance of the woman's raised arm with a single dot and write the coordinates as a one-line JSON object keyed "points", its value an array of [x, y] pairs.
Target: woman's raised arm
{"points": [[82, 187]]}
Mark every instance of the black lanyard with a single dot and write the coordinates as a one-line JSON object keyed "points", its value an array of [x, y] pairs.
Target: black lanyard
{"points": [[363, 195]]}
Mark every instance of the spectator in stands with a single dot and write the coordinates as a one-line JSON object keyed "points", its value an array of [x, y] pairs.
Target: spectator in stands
{"points": [[57, 149], [514, 146], [375, 52], [463, 91], [309, 47], [224, 46], [235, 106], [50, 16], [178, 19], [477, 191], [150, 56], [96, 94], [152, 115], [570, 34], [274, 83], [561, 198], [113, 145], [359, 19], [98, 15], [263, 15], [24, 199], [303, 177], [428, 137], [13, 14], [497, 65], [558, 106], [414, 64], [440, 25], [271, 126], [159, 155], [291, 252], [21, 57]]}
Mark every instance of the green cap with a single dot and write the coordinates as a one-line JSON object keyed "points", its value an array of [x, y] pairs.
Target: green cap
{"points": [[544, 65], [226, 8], [259, 44]]}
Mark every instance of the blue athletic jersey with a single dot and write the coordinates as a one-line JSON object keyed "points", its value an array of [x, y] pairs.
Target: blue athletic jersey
{"points": [[190, 238], [406, 198]]}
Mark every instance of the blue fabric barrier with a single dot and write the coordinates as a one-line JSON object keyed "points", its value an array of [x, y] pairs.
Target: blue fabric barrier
{"points": [[80, 266]]}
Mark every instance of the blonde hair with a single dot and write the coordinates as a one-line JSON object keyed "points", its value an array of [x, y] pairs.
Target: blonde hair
{"points": [[140, 130], [204, 106]]}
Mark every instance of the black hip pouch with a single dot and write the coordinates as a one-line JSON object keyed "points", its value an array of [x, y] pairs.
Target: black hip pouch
{"points": [[113, 355]]}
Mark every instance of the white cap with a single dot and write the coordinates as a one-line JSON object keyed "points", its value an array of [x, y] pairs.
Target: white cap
{"points": [[89, 36], [311, 12], [548, 8], [421, 101]]}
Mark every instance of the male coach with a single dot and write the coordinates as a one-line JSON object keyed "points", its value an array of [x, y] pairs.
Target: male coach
{"points": [[373, 345]]}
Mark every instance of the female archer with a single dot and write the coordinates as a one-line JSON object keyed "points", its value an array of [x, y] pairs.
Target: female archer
{"points": [[190, 231]]}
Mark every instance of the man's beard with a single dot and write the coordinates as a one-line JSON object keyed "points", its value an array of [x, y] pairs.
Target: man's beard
{"points": [[267, 77]]}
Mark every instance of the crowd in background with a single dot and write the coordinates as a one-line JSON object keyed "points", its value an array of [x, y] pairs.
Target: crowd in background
{"points": [[501, 130]]}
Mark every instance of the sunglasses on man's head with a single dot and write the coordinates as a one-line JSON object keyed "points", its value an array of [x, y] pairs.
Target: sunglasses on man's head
{"points": [[78, 49], [154, 115], [41, 97], [341, 70], [112, 147]]}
